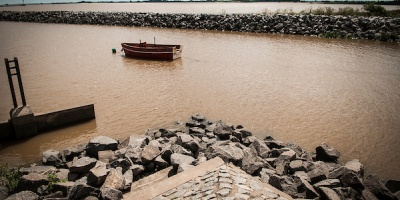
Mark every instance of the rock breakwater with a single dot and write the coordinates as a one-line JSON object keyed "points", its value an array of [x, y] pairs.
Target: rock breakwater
{"points": [[105, 168], [350, 27]]}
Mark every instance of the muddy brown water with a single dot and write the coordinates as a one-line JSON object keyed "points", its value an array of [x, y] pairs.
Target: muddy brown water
{"points": [[297, 89]]}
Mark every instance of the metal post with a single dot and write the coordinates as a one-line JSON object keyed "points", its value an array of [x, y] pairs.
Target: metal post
{"points": [[11, 83], [21, 87]]}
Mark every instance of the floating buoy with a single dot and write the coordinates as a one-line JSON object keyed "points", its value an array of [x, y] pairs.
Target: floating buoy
{"points": [[113, 50]]}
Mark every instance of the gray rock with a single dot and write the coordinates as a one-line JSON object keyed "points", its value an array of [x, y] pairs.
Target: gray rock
{"points": [[134, 154], [326, 153], [40, 169], [199, 118], [355, 166], [248, 140], [251, 162], [373, 183], [3, 192], [180, 159], [350, 179], [149, 153], [134, 141], [347, 193], [196, 131], [223, 132], [188, 142], [303, 186], [328, 194], [128, 176], [64, 187], [339, 172], [261, 148], [161, 163], [101, 143], [24, 195], [106, 156], [368, 195], [393, 185], [83, 165], [297, 165], [51, 157], [32, 182], [114, 180], [71, 152], [184, 167], [316, 175], [229, 152], [81, 191], [167, 133], [329, 183], [97, 175], [181, 150], [123, 163], [137, 169], [110, 194]]}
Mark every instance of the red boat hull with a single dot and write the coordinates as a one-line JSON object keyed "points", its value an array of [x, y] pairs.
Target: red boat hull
{"points": [[151, 51]]}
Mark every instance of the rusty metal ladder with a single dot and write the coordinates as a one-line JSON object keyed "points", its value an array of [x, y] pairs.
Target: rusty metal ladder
{"points": [[17, 73]]}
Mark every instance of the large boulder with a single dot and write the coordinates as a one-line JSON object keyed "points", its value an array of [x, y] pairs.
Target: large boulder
{"points": [[24, 195], [326, 153], [304, 187], [251, 162], [373, 183], [351, 179], [101, 143], [261, 148], [83, 165]]}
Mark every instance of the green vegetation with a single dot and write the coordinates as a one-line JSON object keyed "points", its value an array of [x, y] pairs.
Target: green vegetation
{"points": [[53, 179], [10, 176], [369, 9]]}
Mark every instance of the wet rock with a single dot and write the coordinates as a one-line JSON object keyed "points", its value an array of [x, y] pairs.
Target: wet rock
{"points": [[83, 165], [32, 182], [373, 183], [101, 143], [114, 180], [328, 193], [326, 153], [110, 194], [24, 195], [223, 132]]}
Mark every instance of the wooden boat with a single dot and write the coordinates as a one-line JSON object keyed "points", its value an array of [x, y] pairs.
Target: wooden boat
{"points": [[152, 51]]}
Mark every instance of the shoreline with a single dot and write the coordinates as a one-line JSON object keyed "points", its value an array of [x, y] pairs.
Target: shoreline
{"points": [[107, 163], [328, 26]]}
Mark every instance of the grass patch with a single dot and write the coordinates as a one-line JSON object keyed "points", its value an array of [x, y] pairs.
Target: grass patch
{"points": [[10, 176]]}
